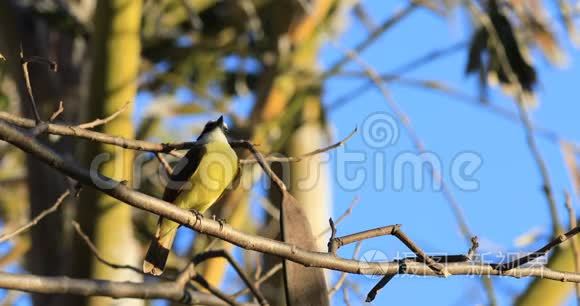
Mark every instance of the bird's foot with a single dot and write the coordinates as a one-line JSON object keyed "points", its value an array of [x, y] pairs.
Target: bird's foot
{"points": [[220, 221], [198, 215]]}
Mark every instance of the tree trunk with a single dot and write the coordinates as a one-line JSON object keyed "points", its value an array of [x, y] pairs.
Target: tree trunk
{"points": [[115, 65], [50, 244]]}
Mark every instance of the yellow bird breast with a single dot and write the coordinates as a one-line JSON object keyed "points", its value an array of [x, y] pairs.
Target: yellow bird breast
{"points": [[216, 171]]}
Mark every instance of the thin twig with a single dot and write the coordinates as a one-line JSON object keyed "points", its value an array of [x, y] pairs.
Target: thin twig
{"points": [[346, 213], [542, 167], [17, 252], [540, 252], [417, 142], [189, 274], [382, 283], [164, 163], [488, 287], [473, 248], [526, 122], [343, 275], [11, 297], [574, 241], [306, 155], [92, 287], [262, 161], [446, 259], [258, 269], [57, 112], [395, 74], [430, 56], [422, 256], [213, 290], [211, 244], [93, 124], [98, 255], [141, 145], [335, 243], [365, 19], [371, 38], [345, 298], [266, 276], [24, 61], [37, 219], [72, 130], [223, 254], [272, 210], [449, 91]]}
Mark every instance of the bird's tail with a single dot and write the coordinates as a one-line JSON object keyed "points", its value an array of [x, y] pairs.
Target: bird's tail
{"points": [[158, 252]]}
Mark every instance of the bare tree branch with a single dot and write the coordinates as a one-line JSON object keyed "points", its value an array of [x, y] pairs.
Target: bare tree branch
{"points": [[37, 219], [306, 155], [416, 140], [213, 290], [164, 163], [347, 212], [141, 145], [486, 22], [223, 254], [542, 168], [24, 61], [343, 275], [57, 113], [336, 242], [277, 267], [447, 90], [345, 298], [372, 37], [85, 287], [380, 285], [98, 121], [365, 19], [98, 255], [252, 242], [573, 242], [72, 130], [539, 253]]}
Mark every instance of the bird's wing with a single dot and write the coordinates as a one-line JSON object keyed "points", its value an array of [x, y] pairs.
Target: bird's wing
{"points": [[237, 178], [233, 184], [184, 169]]}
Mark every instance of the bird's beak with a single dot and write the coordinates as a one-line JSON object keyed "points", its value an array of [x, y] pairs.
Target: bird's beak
{"points": [[221, 123]]}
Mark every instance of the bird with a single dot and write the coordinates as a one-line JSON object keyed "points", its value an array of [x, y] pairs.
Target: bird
{"points": [[197, 181]]}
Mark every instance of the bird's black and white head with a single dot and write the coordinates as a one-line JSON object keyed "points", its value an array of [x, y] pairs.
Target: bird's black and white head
{"points": [[214, 131]]}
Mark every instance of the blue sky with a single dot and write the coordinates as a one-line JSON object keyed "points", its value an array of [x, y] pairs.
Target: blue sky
{"points": [[509, 201]]}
